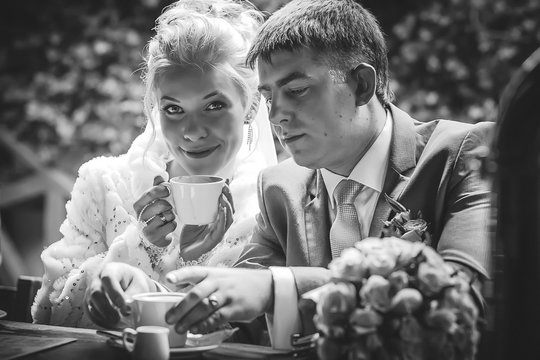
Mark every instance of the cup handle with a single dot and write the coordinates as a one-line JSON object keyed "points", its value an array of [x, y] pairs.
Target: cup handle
{"points": [[131, 319], [129, 337]]}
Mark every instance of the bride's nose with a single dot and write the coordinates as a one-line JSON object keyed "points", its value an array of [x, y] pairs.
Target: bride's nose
{"points": [[193, 130]]}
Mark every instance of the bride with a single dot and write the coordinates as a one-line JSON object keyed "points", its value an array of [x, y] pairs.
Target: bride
{"points": [[204, 117]]}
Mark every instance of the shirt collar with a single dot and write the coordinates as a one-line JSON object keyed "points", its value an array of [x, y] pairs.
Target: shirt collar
{"points": [[368, 171]]}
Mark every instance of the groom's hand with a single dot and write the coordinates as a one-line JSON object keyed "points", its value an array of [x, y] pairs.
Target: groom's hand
{"points": [[218, 296]]}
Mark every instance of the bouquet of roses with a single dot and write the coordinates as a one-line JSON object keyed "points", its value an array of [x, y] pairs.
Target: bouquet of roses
{"points": [[391, 298]]}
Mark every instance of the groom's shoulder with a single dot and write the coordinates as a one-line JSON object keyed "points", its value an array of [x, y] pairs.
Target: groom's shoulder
{"points": [[287, 174], [449, 133], [452, 128]]}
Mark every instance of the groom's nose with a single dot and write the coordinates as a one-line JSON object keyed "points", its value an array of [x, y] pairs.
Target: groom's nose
{"points": [[279, 112]]}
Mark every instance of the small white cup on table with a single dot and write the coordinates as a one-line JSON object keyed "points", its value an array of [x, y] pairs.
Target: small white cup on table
{"points": [[147, 342], [149, 309]]}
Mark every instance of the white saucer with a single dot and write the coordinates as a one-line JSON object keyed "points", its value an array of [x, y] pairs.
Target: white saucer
{"points": [[2, 313], [193, 349]]}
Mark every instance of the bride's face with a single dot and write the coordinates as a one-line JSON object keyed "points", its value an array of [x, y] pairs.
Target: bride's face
{"points": [[201, 115]]}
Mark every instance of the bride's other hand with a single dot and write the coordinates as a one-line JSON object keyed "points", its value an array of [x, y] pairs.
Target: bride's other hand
{"points": [[196, 240], [153, 210], [107, 294]]}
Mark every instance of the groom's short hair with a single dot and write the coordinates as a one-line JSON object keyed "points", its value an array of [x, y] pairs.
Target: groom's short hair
{"points": [[342, 32]]}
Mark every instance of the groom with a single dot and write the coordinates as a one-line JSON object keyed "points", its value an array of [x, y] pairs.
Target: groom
{"points": [[323, 71]]}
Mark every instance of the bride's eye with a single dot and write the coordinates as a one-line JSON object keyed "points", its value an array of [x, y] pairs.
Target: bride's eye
{"points": [[172, 109], [215, 106]]}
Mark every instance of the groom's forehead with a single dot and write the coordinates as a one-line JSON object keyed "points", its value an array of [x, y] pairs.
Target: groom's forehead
{"points": [[284, 66]]}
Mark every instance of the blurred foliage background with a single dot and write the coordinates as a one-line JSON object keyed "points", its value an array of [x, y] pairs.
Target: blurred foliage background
{"points": [[70, 86]]}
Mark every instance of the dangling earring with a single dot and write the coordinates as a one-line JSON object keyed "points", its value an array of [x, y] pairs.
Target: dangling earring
{"points": [[249, 118], [250, 136]]}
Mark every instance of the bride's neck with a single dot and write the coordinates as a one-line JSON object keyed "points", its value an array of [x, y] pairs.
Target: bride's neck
{"points": [[174, 169]]}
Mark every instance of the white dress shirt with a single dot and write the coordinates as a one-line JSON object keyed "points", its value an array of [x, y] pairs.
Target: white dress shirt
{"points": [[368, 172], [285, 320]]}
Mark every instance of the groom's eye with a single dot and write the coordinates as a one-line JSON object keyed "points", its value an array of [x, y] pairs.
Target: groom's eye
{"points": [[298, 91]]}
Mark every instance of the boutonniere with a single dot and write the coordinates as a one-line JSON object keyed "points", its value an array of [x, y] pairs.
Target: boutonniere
{"points": [[406, 225]]}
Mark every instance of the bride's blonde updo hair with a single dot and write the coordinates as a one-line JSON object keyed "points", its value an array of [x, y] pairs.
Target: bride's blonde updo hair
{"points": [[206, 34]]}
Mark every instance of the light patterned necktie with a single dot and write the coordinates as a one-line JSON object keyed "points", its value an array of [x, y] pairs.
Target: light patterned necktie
{"points": [[346, 228]]}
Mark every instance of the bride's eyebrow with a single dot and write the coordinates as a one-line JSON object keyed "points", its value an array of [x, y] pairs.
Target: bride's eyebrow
{"points": [[213, 93], [165, 97]]}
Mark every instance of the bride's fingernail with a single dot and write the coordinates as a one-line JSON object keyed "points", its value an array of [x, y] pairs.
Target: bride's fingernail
{"points": [[171, 278]]}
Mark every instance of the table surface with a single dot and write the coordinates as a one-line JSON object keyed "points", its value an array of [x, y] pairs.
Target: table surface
{"points": [[89, 345]]}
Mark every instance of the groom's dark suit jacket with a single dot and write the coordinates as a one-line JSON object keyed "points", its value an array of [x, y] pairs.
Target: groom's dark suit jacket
{"points": [[429, 171]]}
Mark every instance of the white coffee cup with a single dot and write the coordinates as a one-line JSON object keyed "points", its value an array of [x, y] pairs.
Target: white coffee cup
{"points": [[196, 198], [147, 342], [150, 309]]}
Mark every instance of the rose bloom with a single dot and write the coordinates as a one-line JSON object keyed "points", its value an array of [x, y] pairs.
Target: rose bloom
{"points": [[381, 263], [338, 300], [350, 266], [432, 279], [398, 280], [371, 245], [376, 293], [433, 258], [405, 251], [364, 321], [334, 308], [406, 301]]}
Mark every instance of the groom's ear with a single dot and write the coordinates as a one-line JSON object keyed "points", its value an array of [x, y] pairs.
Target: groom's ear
{"points": [[365, 79]]}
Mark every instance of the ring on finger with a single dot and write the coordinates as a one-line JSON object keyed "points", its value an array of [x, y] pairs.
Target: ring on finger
{"points": [[162, 217], [139, 217], [146, 222], [213, 301], [91, 309]]}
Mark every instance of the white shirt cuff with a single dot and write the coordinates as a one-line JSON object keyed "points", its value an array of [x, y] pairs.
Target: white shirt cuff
{"points": [[285, 320]]}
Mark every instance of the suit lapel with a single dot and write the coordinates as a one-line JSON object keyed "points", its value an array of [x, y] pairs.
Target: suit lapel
{"points": [[317, 222], [401, 163]]}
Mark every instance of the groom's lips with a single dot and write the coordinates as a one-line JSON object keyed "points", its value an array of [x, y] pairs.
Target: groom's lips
{"points": [[199, 153], [289, 139]]}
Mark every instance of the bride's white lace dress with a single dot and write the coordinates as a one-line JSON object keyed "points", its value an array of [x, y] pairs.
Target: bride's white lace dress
{"points": [[101, 224]]}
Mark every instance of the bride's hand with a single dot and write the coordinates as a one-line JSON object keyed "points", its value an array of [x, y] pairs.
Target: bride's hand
{"points": [[196, 240], [156, 212]]}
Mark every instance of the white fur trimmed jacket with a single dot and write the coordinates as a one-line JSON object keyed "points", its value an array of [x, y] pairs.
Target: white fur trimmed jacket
{"points": [[101, 226]]}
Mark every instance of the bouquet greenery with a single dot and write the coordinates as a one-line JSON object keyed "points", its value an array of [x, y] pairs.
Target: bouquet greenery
{"points": [[391, 298]]}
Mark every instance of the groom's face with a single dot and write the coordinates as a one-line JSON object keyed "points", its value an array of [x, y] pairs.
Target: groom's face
{"points": [[315, 117]]}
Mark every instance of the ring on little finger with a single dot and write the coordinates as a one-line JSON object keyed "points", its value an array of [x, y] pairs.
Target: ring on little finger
{"points": [[213, 322], [162, 218]]}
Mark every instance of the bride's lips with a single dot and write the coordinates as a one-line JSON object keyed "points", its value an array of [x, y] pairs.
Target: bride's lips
{"points": [[198, 153]]}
